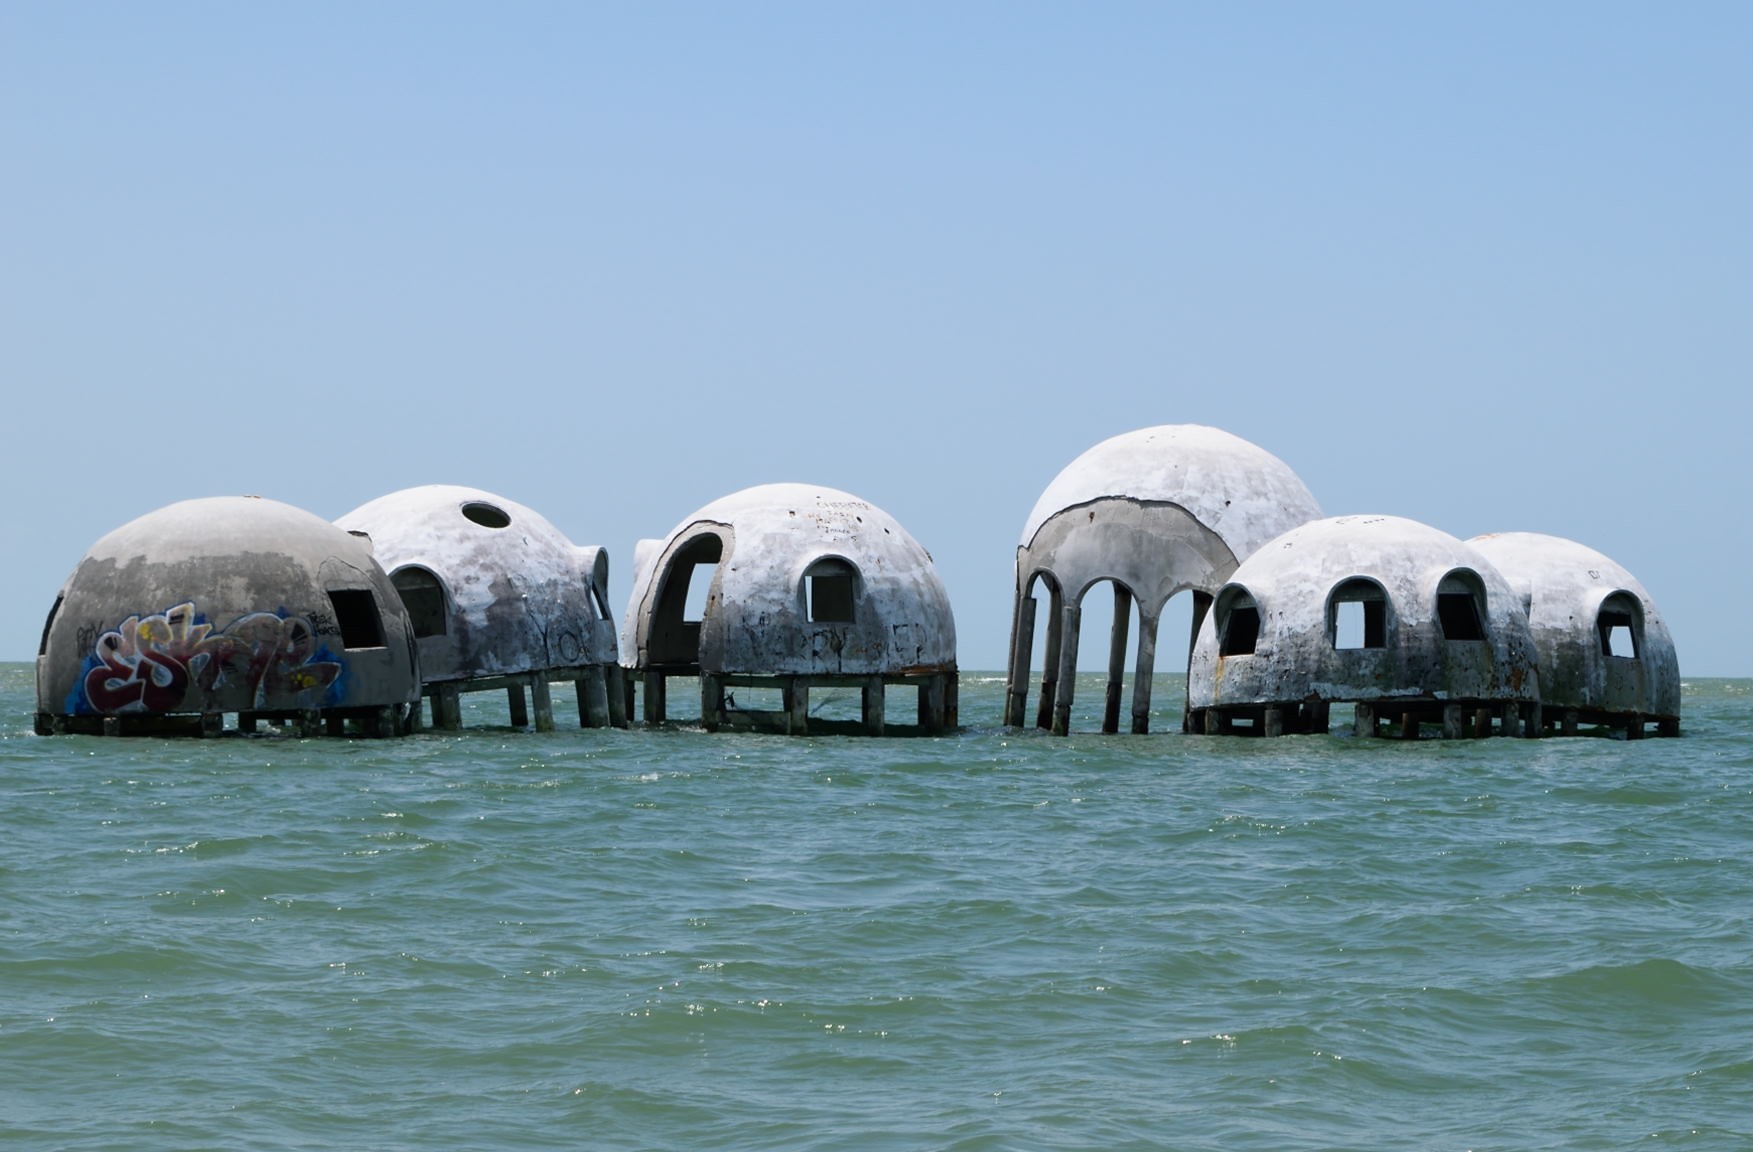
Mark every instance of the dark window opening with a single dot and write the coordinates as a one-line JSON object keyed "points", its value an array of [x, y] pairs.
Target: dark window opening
{"points": [[43, 648], [486, 515], [1458, 615], [423, 597], [357, 616], [1241, 632], [829, 589]]}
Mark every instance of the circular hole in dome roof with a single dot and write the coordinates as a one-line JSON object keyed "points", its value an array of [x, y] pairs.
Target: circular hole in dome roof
{"points": [[486, 515]]}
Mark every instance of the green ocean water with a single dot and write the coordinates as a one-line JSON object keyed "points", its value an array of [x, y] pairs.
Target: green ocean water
{"points": [[996, 940]]}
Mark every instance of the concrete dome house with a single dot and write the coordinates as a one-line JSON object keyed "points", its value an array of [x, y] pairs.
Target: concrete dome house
{"points": [[228, 604], [791, 587], [1605, 653], [499, 599], [1154, 512], [1402, 620]]}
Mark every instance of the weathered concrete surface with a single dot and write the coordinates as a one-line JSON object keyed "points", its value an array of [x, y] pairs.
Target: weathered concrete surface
{"points": [[808, 587], [1290, 582], [1156, 511], [518, 595], [228, 604], [766, 539], [1567, 587]]}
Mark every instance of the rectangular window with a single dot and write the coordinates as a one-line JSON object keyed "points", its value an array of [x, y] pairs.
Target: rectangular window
{"points": [[1458, 613], [830, 598], [1241, 632], [1360, 624], [357, 617]]}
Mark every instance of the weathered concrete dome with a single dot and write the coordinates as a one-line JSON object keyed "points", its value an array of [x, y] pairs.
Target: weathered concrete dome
{"points": [[1156, 512], [496, 592], [1378, 610], [229, 604], [1605, 652], [806, 582]]}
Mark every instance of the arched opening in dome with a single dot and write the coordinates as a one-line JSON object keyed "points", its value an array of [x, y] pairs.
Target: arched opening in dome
{"points": [[1620, 625], [685, 600], [1460, 606], [1238, 622], [1357, 615], [423, 596], [830, 591]]}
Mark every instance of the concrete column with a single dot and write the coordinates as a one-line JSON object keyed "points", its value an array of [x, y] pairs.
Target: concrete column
{"points": [[112, 725], [1213, 721], [620, 693], [310, 722], [1272, 723], [1050, 664], [1071, 619], [931, 703], [212, 724], [334, 725], [952, 701], [543, 701], [1512, 718], [1569, 723], [1634, 727], [1408, 725], [1454, 722], [1533, 721], [1117, 659], [796, 694], [872, 701], [1320, 715], [1364, 721], [596, 697], [654, 696], [1482, 723], [247, 721], [1143, 672], [447, 707], [1201, 606], [1670, 726], [1022, 650], [711, 702], [520, 714]]}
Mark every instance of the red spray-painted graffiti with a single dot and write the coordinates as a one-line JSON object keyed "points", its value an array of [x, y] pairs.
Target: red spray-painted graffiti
{"points": [[148, 663]]}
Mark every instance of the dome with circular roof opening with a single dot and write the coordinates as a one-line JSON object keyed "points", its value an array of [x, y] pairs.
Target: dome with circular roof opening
{"points": [[499, 598]]}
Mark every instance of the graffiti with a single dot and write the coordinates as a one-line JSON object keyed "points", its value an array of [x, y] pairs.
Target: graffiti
{"points": [[149, 663]]}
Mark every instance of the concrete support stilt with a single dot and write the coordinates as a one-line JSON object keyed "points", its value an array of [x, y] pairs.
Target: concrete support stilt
{"points": [[212, 724], [593, 707], [620, 699], [654, 696], [1363, 721], [1319, 716], [711, 702], [1408, 725], [447, 707], [1050, 666], [1022, 644], [796, 695], [310, 722], [1669, 726], [543, 701], [1142, 674], [1117, 636], [871, 705], [1634, 727], [1512, 719], [1534, 725], [334, 725], [931, 703], [514, 700], [1569, 725], [1272, 722], [247, 722], [1071, 620], [1454, 722]]}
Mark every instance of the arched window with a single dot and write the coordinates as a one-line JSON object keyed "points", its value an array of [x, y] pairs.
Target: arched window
{"points": [[830, 590], [423, 596], [1238, 622], [1620, 624], [1357, 615], [1460, 605]]}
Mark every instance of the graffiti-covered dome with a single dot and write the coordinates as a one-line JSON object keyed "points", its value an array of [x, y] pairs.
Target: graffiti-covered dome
{"points": [[226, 604]]}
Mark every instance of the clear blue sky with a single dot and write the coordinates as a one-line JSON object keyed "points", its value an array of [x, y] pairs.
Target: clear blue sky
{"points": [[1483, 265]]}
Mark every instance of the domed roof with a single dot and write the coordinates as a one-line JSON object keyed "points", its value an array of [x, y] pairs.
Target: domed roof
{"points": [[1237, 489], [1575, 599], [769, 539], [1293, 583], [226, 604], [517, 595]]}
